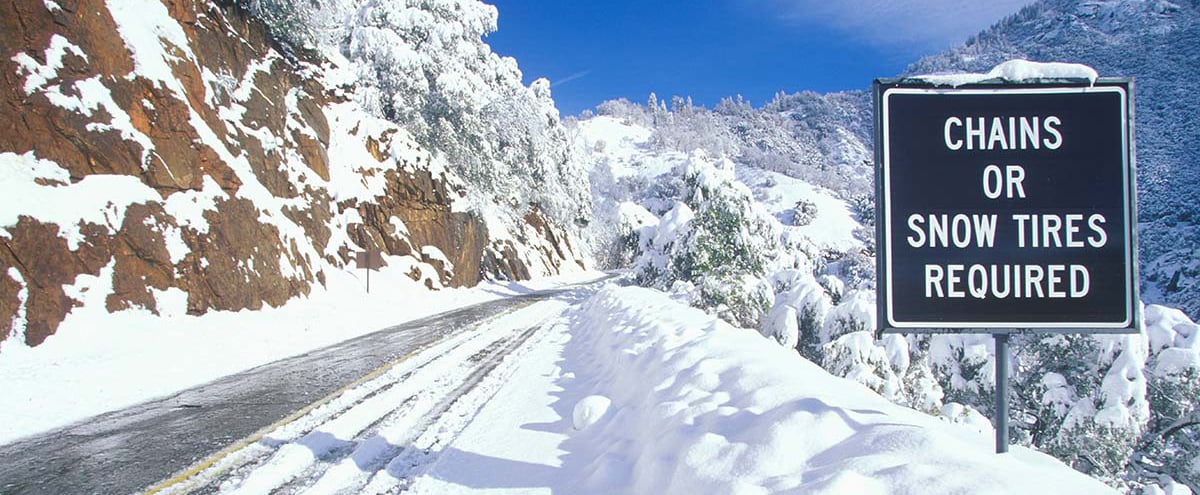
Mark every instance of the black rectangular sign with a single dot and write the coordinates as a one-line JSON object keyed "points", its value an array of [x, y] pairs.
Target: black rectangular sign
{"points": [[1005, 207]]}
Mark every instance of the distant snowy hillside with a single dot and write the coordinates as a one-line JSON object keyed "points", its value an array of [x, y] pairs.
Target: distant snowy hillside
{"points": [[1153, 41], [186, 157], [647, 193], [822, 139]]}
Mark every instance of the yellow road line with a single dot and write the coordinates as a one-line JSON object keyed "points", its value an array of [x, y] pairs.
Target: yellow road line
{"points": [[243, 443]]}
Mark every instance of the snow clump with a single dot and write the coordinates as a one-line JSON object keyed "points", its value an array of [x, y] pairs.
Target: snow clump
{"points": [[589, 410]]}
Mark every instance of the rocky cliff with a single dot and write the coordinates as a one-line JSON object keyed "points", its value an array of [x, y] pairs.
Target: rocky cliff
{"points": [[171, 148]]}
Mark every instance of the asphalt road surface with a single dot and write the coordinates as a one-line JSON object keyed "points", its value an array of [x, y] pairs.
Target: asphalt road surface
{"points": [[129, 450]]}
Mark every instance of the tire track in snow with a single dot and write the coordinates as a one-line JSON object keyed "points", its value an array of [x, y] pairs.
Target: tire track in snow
{"points": [[429, 445], [337, 445], [351, 474]]}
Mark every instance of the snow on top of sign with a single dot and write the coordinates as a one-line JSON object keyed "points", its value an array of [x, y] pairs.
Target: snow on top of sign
{"points": [[1016, 71]]}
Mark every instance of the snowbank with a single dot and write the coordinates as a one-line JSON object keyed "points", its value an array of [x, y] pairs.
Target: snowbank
{"points": [[1017, 71], [701, 407]]}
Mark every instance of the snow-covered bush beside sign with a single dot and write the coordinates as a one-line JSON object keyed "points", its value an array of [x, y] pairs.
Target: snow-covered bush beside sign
{"points": [[716, 238]]}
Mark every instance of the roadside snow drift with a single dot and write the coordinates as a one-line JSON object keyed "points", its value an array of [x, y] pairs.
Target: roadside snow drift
{"points": [[699, 406]]}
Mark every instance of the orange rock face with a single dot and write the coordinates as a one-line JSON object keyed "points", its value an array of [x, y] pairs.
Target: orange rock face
{"points": [[241, 138]]}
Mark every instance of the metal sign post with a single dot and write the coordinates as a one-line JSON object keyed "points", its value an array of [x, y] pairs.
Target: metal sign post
{"points": [[1001, 421], [1005, 208]]}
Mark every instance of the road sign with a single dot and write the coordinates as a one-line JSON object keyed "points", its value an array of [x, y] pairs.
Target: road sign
{"points": [[369, 260], [1005, 206]]}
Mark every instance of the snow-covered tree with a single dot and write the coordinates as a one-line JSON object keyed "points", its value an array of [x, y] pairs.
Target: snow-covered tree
{"points": [[1096, 384], [292, 23], [716, 238], [799, 295], [1172, 443], [424, 64]]}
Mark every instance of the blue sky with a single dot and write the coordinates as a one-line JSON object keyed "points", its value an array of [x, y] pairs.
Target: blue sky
{"points": [[707, 49]]}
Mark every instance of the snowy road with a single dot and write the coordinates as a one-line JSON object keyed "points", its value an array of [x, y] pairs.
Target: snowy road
{"points": [[294, 424], [595, 390]]}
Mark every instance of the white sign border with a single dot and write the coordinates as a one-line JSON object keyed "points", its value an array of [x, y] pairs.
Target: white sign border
{"points": [[1128, 226]]}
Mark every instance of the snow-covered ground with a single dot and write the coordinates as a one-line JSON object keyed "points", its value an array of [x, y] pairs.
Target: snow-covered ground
{"points": [[98, 362], [832, 226], [626, 148], [697, 406]]}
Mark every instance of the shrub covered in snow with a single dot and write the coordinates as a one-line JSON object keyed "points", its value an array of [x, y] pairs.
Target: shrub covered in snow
{"points": [[716, 238], [782, 325], [1120, 408], [804, 213], [855, 313], [1172, 443], [806, 303]]}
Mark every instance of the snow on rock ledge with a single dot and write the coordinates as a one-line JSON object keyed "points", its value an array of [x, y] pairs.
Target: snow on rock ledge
{"points": [[1016, 71], [169, 140], [703, 407]]}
